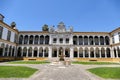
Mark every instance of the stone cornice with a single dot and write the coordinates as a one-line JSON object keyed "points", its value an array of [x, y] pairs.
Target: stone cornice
{"points": [[116, 30], [64, 45], [116, 44], [8, 42], [33, 32], [91, 33], [8, 27]]}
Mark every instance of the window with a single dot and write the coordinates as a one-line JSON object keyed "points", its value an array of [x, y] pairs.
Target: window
{"points": [[119, 36], [113, 39], [54, 40], [8, 35], [15, 38], [1, 31], [61, 40], [67, 40]]}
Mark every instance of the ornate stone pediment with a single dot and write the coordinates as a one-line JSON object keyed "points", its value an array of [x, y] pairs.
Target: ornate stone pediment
{"points": [[60, 29]]}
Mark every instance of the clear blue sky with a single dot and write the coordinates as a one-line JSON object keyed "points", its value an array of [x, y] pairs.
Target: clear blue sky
{"points": [[83, 15]]}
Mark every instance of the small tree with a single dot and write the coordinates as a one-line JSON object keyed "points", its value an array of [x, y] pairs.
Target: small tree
{"points": [[45, 27], [13, 24]]}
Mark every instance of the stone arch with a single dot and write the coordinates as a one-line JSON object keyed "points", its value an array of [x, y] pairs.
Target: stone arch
{"points": [[115, 54], [67, 52], [81, 52], [35, 52], [54, 52], [75, 52], [36, 39], [91, 40], [26, 39], [96, 40], [80, 40], [30, 52], [85, 40], [24, 51], [19, 52], [31, 39], [86, 52], [102, 52], [6, 50], [46, 39], [10, 49], [20, 39], [92, 52], [13, 51], [118, 50], [97, 52], [1, 49], [41, 52], [108, 52], [107, 40], [46, 52], [41, 39], [75, 40], [101, 40]]}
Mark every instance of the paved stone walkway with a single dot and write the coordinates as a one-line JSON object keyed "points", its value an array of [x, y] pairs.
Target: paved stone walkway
{"points": [[60, 72]]}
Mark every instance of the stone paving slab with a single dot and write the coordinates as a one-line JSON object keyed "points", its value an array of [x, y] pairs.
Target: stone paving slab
{"points": [[60, 72]]}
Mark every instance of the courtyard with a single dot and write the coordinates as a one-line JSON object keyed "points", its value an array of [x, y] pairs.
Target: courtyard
{"points": [[58, 71]]}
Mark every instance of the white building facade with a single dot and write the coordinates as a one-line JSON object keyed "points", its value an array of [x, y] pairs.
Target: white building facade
{"points": [[49, 44]]}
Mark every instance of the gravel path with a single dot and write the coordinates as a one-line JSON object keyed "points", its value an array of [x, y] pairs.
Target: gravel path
{"points": [[60, 72]]}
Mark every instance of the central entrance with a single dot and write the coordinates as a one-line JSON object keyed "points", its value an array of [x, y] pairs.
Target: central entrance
{"points": [[61, 54], [56, 52]]}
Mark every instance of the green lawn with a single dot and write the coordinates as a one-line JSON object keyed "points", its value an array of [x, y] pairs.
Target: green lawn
{"points": [[93, 63], [107, 72], [28, 62], [16, 71]]}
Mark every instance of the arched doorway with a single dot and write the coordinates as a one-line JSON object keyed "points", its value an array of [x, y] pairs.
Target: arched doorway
{"points": [[13, 51], [86, 52], [102, 52], [75, 52], [96, 40], [1, 49], [30, 52], [97, 52], [67, 52], [19, 52], [54, 52], [6, 50], [108, 52], [91, 40], [75, 40], [24, 51], [118, 50], [46, 52], [81, 52], [115, 52], [92, 52], [35, 52], [40, 52]]}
